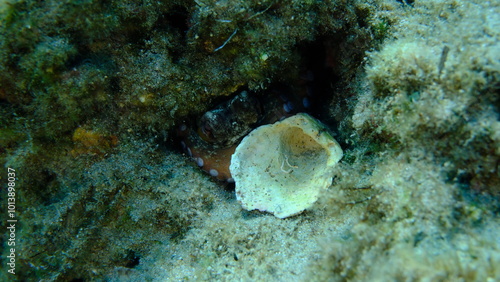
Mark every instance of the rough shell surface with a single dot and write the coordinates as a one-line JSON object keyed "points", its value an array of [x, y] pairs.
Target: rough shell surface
{"points": [[281, 168]]}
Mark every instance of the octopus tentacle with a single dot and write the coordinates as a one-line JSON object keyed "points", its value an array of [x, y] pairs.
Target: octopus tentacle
{"points": [[220, 130]]}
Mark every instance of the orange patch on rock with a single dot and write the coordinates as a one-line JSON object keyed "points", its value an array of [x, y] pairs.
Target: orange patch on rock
{"points": [[92, 142]]}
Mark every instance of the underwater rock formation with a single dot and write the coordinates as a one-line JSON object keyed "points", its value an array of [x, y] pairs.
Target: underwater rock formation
{"points": [[91, 90]]}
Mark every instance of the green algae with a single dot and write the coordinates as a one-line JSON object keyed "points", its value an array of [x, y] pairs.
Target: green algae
{"points": [[422, 124], [418, 187]]}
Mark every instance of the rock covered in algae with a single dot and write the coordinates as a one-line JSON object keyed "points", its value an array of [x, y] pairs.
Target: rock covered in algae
{"points": [[281, 168]]}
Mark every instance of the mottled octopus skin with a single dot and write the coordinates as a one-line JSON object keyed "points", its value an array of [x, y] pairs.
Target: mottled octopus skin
{"points": [[212, 141]]}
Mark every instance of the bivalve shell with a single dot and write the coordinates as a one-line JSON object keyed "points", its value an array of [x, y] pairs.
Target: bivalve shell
{"points": [[281, 168]]}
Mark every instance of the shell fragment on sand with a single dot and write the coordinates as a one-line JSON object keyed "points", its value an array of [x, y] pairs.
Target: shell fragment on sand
{"points": [[281, 168]]}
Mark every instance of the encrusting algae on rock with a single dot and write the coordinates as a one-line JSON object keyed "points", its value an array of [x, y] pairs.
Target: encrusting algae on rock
{"points": [[281, 168], [91, 93]]}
